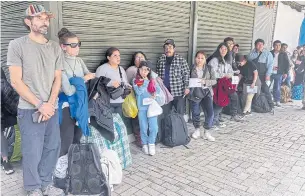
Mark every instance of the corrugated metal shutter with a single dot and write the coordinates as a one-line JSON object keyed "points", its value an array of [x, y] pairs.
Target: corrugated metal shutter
{"points": [[219, 19], [12, 14], [129, 26]]}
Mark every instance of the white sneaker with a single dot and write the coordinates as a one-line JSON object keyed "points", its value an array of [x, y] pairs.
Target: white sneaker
{"points": [[145, 149], [278, 104], [209, 137], [214, 128], [152, 149], [196, 134], [221, 125]]}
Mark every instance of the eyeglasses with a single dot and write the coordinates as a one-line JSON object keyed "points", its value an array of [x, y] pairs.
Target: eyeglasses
{"points": [[73, 45]]}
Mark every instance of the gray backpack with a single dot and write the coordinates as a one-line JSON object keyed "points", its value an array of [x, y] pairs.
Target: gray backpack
{"points": [[85, 175]]}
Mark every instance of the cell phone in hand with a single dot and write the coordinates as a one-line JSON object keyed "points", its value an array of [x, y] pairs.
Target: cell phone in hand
{"points": [[35, 117]]}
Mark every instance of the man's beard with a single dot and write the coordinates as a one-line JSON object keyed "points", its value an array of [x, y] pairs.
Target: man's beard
{"points": [[40, 30]]}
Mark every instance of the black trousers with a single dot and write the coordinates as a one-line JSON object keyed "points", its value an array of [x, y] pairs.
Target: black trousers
{"points": [[69, 132], [265, 89], [234, 103], [178, 103], [117, 108]]}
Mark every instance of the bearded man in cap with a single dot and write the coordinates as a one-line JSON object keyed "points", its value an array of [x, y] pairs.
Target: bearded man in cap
{"points": [[35, 65]]}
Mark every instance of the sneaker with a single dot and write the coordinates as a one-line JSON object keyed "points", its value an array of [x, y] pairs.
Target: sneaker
{"points": [[236, 118], [152, 149], [36, 192], [272, 111], [209, 137], [145, 149], [196, 134], [51, 190], [278, 104], [221, 120], [222, 125], [214, 128], [7, 167], [248, 114]]}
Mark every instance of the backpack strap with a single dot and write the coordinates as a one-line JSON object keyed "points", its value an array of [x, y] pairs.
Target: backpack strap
{"points": [[68, 177]]}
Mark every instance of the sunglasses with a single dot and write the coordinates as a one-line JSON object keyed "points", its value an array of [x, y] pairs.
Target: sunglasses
{"points": [[73, 45]]}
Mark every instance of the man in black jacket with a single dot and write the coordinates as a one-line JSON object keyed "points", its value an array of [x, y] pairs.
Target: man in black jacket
{"points": [[280, 70]]}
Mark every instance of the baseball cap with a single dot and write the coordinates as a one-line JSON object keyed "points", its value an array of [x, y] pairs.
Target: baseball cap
{"points": [[35, 10], [169, 41]]}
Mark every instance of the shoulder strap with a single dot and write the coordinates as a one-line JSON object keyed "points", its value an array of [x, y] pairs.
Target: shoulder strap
{"points": [[120, 74], [257, 58]]}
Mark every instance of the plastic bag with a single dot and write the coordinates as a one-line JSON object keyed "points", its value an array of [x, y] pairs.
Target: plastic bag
{"points": [[129, 107], [154, 109], [167, 95]]}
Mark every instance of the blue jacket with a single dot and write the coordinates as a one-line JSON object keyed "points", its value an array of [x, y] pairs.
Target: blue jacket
{"points": [[78, 104], [141, 93], [266, 57]]}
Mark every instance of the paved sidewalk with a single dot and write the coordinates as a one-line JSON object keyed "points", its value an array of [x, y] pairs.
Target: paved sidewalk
{"points": [[262, 157]]}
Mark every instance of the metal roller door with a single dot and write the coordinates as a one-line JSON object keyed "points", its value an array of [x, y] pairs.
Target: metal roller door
{"points": [[220, 19], [129, 26], [12, 14]]}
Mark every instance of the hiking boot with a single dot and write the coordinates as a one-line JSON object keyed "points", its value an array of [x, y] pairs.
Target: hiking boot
{"points": [[51, 190], [145, 149], [152, 149], [196, 134], [209, 137], [7, 167], [36, 192], [278, 104]]}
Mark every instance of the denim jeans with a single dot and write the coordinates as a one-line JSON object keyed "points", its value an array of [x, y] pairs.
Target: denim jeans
{"points": [[207, 107], [145, 124], [277, 78], [217, 110]]}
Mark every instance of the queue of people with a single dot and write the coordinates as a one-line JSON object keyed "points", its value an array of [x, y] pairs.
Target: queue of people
{"points": [[41, 71]]}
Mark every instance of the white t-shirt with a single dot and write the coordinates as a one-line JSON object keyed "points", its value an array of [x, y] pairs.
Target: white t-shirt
{"points": [[275, 63]]}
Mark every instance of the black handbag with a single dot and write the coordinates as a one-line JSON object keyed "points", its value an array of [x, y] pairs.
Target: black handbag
{"points": [[121, 91], [200, 93]]}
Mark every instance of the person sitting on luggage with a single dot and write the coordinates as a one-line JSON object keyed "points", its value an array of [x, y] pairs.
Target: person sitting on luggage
{"points": [[73, 66], [202, 96], [110, 68], [145, 87], [249, 77], [9, 104], [223, 70]]}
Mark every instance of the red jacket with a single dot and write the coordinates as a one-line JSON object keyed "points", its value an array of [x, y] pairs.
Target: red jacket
{"points": [[222, 90]]}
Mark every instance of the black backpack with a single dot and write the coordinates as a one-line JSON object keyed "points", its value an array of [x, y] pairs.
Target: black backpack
{"points": [[85, 175], [175, 130], [260, 104]]}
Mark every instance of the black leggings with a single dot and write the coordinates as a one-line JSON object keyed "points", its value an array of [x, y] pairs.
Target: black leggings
{"points": [[69, 132]]}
